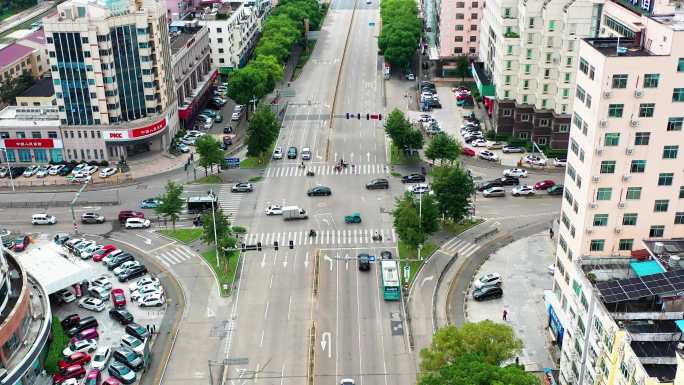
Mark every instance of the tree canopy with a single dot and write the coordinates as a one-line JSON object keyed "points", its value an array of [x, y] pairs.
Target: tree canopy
{"points": [[172, 203], [403, 135], [210, 152], [263, 131], [453, 188], [401, 30], [407, 218], [222, 226], [470, 369], [443, 147]]}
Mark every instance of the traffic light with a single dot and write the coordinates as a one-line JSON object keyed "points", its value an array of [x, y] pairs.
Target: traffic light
{"points": [[347, 114], [379, 116], [358, 115], [258, 246], [291, 245], [275, 245], [242, 246], [367, 116]]}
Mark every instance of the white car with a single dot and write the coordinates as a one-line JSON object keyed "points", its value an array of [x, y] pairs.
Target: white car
{"points": [[31, 171], [193, 134], [137, 223], [66, 296], [522, 190], [488, 155], [154, 299], [83, 245], [54, 170], [145, 291], [86, 346], [102, 282], [88, 252], [42, 172], [409, 76], [559, 162], [425, 118], [274, 210], [142, 282], [135, 344], [125, 266], [534, 160], [90, 170], [182, 147], [81, 178], [491, 279], [90, 303], [306, 153], [516, 172], [278, 153], [107, 172], [100, 292], [101, 357], [479, 143], [420, 188], [235, 116], [78, 168], [189, 141]]}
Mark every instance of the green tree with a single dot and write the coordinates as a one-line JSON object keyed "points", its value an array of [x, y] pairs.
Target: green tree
{"points": [[453, 189], [403, 135], [471, 369], [247, 83], [429, 212], [222, 227], [263, 130], [172, 203], [413, 139], [415, 218], [493, 342], [210, 152], [463, 66], [443, 147], [269, 65]]}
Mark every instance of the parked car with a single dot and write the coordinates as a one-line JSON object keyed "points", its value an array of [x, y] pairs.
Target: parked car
{"points": [[65, 296], [107, 172], [516, 172], [413, 178], [127, 356], [80, 346], [83, 324], [145, 290], [99, 292], [91, 303], [70, 321], [467, 151], [125, 266], [274, 210], [64, 374], [242, 187], [66, 170], [306, 153], [522, 190], [55, 169], [509, 181], [488, 292], [87, 334], [560, 162], [78, 358], [491, 279], [150, 300], [137, 331], [92, 218], [42, 171], [133, 343], [21, 242], [132, 273], [420, 188], [118, 298], [495, 146], [555, 190], [494, 192], [151, 203], [101, 357], [512, 149], [137, 223], [122, 372], [125, 214], [319, 191], [116, 261], [30, 171], [93, 377], [102, 282], [380, 183], [544, 184], [142, 282], [122, 316], [488, 155], [105, 252], [278, 153], [534, 160]]}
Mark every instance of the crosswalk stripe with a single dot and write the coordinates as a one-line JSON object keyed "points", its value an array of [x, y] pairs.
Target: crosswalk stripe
{"points": [[468, 249], [169, 258], [356, 169], [177, 254]]}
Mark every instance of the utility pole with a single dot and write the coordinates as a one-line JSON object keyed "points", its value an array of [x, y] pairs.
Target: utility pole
{"points": [[71, 206], [213, 216]]}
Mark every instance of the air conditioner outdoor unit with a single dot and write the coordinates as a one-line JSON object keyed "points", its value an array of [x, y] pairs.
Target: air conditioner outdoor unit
{"points": [[603, 123], [593, 205], [621, 205], [629, 150], [595, 178], [638, 93], [606, 94], [618, 230], [626, 177], [589, 230], [599, 150], [634, 123]]}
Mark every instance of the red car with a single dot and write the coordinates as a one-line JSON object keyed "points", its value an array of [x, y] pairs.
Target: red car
{"points": [[78, 358], [73, 371], [21, 243], [111, 381], [103, 252], [544, 184], [468, 151], [118, 298], [94, 377], [125, 214]]}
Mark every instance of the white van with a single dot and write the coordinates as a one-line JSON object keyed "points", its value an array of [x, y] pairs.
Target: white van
{"points": [[43, 219], [137, 223]]}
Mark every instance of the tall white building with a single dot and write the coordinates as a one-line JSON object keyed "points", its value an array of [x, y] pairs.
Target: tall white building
{"points": [[529, 50], [616, 306]]}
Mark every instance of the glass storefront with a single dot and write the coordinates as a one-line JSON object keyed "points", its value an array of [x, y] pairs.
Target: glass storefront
{"points": [[24, 155], [57, 155], [40, 155]]}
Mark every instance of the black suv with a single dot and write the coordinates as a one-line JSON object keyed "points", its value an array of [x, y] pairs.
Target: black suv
{"points": [[122, 316], [490, 184], [381, 183], [319, 191], [118, 260], [413, 178], [487, 292], [137, 331], [364, 262], [132, 273], [509, 181]]}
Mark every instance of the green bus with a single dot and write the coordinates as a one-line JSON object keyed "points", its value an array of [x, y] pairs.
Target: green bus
{"points": [[391, 290]]}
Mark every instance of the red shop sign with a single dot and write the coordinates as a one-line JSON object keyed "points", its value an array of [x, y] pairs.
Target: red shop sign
{"points": [[148, 130], [29, 143]]}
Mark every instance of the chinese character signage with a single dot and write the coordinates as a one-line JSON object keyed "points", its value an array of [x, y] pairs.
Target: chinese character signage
{"points": [[29, 143], [136, 133]]}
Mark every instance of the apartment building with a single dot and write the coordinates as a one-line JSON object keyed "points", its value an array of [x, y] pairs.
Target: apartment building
{"points": [[27, 54], [529, 52], [458, 30], [234, 30], [111, 70], [622, 213]]}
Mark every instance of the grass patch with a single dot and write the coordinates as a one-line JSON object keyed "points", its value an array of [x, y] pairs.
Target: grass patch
{"points": [[256, 179], [407, 252], [396, 174], [211, 179], [303, 58], [398, 157], [457, 228], [183, 235], [225, 272], [255, 162], [59, 341]]}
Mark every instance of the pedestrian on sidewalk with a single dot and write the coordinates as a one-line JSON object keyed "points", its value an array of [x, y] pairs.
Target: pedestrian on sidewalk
{"points": [[551, 232], [192, 156], [505, 315]]}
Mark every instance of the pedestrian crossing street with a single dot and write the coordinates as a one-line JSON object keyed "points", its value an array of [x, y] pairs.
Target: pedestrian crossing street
{"points": [[323, 237], [323, 169], [459, 246], [228, 201], [174, 255]]}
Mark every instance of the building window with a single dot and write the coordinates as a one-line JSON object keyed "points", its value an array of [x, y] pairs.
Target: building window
{"points": [[597, 245], [600, 219], [579, 93], [656, 231], [507, 13], [630, 219], [615, 110], [638, 166], [529, 53], [459, 27], [35, 134], [665, 179], [620, 81], [460, 4], [633, 193], [458, 39], [607, 167], [678, 95], [583, 66], [675, 124], [588, 103], [642, 138], [612, 138], [680, 65], [52, 134], [604, 193], [646, 110], [626, 244], [460, 16], [473, 16], [660, 205], [473, 27], [651, 80], [679, 218], [670, 152]]}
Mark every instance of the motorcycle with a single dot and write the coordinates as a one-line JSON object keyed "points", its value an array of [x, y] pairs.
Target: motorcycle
{"points": [[310, 173], [312, 233], [377, 237]]}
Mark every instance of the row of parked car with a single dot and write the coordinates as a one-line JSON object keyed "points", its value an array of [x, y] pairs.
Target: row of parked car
{"points": [[428, 96], [511, 177], [80, 173]]}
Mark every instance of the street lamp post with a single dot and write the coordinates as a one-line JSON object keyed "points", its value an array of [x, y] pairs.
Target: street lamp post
{"points": [[420, 217], [71, 206], [9, 168], [213, 217]]}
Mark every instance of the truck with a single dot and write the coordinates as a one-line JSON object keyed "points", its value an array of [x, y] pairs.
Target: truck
{"points": [[197, 205], [294, 212]]}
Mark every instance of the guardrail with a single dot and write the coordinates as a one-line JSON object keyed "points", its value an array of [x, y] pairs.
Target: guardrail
{"points": [[486, 234]]}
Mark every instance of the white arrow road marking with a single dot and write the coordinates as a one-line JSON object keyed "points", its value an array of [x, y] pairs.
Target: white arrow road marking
{"points": [[263, 261], [285, 261], [368, 154], [325, 257], [148, 241], [325, 341], [210, 312], [430, 278], [346, 261], [306, 260]]}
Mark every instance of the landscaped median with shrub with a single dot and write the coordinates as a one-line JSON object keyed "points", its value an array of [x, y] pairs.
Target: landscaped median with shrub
{"points": [[59, 341]]}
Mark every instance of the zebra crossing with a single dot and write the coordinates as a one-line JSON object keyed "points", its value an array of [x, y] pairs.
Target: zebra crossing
{"points": [[323, 237], [228, 201], [322, 169], [174, 255], [459, 246]]}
